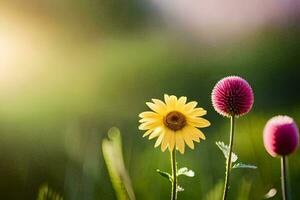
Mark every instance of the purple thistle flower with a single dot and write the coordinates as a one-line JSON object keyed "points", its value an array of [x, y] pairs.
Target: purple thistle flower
{"points": [[281, 136], [232, 96]]}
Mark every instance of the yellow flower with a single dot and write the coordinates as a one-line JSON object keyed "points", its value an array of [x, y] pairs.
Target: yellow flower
{"points": [[174, 122]]}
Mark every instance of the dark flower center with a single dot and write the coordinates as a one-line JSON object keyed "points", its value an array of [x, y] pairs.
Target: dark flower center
{"points": [[175, 120]]}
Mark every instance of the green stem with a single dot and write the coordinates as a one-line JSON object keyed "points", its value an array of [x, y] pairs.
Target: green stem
{"points": [[283, 178], [174, 175], [228, 164]]}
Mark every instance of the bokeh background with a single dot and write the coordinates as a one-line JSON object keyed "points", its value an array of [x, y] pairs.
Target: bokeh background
{"points": [[71, 69]]}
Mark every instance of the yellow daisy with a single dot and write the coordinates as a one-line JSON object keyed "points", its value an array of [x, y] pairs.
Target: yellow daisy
{"points": [[175, 122]]}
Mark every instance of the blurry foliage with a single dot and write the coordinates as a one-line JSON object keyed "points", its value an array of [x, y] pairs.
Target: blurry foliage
{"points": [[46, 193], [215, 192], [244, 190]]}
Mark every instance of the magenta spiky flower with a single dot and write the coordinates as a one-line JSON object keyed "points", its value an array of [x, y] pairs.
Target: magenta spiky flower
{"points": [[232, 96], [281, 136]]}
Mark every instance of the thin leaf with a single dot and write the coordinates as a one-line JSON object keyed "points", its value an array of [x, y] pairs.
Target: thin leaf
{"points": [[225, 149], [186, 172], [179, 188], [113, 157], [165, 175], [242, 165]]}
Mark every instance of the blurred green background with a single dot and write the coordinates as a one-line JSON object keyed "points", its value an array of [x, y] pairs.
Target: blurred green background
{"points": [[70, 70]]}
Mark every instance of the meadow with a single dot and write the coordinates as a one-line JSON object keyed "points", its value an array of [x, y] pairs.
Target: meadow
{"points": [[69, 71]]}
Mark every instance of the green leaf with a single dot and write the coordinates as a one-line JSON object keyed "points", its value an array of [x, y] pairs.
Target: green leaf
{"points": [[225, 149], [179, 188], [186, 172], [242, 165], [165, 175]]}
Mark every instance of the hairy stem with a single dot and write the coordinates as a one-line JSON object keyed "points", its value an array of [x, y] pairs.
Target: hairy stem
{"points": [[174, 175], [228, 164]]}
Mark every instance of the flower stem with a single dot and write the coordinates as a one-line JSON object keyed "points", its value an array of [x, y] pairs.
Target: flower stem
{"points": [[284, 178], [228, 164], [174, 175]]}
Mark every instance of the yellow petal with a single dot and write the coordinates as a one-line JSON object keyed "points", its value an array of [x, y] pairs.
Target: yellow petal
{"points": [[198, 122], [147, 132], [201, 135], [180, 103], [198, 133], [197, 112], [155, 133], [154, 126], [159, 139], [149, 114], [179, 142], [190, 106], [155, 107], [159, 103], [165, 141], [166, 97], [188, 139], [195, 137], [172, 102], [193, 132], [149, 125], [148, 120], [172, 140]]}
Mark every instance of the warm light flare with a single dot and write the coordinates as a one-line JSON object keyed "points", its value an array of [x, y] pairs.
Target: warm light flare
{"points": [[20, 44]]}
